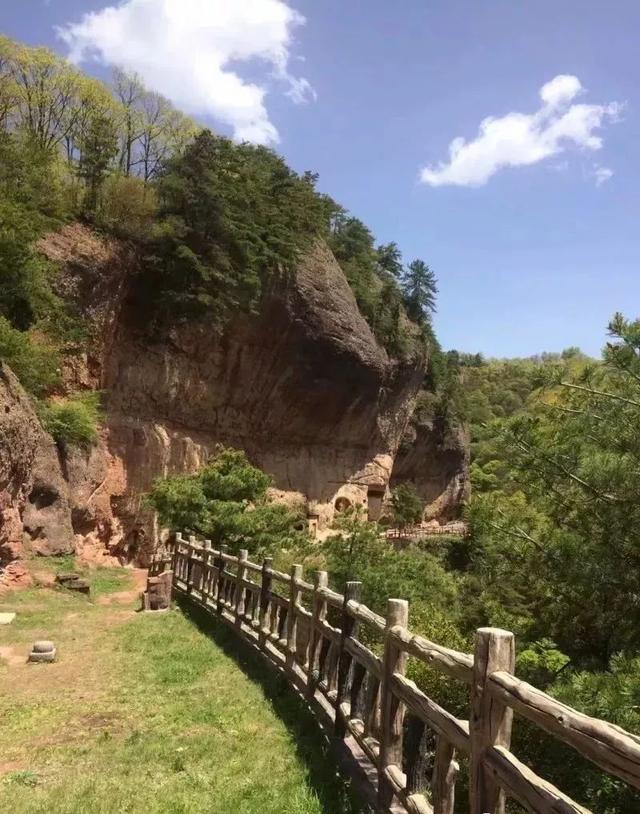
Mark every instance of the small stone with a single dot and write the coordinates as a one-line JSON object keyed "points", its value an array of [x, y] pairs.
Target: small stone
{"points": [[43, 651], [7, 618], [63, 579]]}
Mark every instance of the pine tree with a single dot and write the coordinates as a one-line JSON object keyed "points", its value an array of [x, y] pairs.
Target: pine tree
{"points": [[98, 147], [419, 288]]}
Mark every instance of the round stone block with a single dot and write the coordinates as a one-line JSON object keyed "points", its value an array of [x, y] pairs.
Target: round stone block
{"points": [[43, 646]]}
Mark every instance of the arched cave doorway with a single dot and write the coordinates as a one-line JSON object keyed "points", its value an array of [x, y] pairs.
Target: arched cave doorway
{"points": [[342, 504]]}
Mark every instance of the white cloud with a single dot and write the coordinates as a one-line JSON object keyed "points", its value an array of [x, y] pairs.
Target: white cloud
{"points": [[519, 139], [602, 175], [190, 51]]}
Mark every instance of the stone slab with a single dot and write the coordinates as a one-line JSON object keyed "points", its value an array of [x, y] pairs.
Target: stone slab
{"points": [[7, 618], [43, 657]]}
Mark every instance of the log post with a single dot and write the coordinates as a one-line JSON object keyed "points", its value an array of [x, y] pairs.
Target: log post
{"points": [[318, 614], [175, 553], [222, 564], [241, 576], [490, 721], [392, 711], [191, 552], [349, 628], [265, 596], [292, 617], [206, 573], [443, 779]]}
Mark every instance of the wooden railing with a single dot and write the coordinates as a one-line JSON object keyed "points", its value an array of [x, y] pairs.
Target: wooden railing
{"points": [[312, 634]]}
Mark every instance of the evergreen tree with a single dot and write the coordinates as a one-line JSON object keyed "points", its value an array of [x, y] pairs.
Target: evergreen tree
{"points": [[226, 502], [406, 504], [419, 287], [98, 145], [389, 259]]}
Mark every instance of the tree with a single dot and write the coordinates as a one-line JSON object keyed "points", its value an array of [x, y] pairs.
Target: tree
{"points": [[389, 259], [129, 91], [43, 90], [559, 539], [419, 287], [98, 147], [226, 502], [230, 216], [406, 504]]}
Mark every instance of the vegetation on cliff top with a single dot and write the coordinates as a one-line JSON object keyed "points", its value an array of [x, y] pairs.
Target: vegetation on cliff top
{"points": [[213, 219]]}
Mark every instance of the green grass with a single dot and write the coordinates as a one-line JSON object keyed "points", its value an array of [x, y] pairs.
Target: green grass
{"points": [[147, 713]]}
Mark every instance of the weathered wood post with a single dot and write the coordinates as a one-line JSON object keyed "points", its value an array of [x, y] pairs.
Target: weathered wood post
{"points": [[190, 553], [490, 721], [265, 596], [292, 617], [206, 572], [349, 628], [392, 712], [222, 564], [318, 614], [175, 553], [443, 779], [241, 576]]}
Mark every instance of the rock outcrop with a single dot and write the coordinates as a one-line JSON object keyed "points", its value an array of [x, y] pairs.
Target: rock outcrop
{"points": [[35, 512], [302, 386], [435, 459]]}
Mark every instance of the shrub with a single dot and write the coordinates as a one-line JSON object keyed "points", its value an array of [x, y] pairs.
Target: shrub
{"points": [[406, 504], [128, 205], [226, 502], [73, 421], [34, 363]]}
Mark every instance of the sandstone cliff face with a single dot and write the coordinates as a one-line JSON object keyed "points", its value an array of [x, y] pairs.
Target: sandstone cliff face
{"points": [[34, 506], [436, 460], [302, 386]]}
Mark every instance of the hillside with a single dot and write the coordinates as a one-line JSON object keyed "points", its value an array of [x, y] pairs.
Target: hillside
{"points": [[166, 294]]}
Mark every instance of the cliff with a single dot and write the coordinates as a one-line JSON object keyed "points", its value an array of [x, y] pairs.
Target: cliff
{"points": [[302, 386], [435, 459]]}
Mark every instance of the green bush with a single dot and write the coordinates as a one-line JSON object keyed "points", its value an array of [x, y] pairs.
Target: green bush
{"points": [[73, 421], [35, 364], [407, 506], [128, 206], [227, 502]]}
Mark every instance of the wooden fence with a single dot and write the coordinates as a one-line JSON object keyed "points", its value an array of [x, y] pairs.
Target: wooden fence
{"points": [[312, 634]]}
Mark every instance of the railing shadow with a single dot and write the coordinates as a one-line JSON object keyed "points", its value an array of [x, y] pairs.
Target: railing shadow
{"points": [[312, 747]]}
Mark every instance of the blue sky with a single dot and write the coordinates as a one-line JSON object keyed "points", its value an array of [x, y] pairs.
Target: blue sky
{"points": [[530, 257]]}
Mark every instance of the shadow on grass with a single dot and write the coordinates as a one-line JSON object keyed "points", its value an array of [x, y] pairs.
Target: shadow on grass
{"points": [[311, 746]]}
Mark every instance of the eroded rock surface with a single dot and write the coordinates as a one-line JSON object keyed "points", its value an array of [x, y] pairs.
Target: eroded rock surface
{"points": [[302, 386], [34, 495]]}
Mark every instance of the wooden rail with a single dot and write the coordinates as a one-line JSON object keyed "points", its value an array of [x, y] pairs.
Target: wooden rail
{"points": [[312, 634]]}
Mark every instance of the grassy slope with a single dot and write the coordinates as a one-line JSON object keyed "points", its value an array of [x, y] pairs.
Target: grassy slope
{"points": [[147, 714]]}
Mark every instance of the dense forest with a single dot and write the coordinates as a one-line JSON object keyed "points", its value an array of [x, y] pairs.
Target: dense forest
{"points": [[553, 548]]}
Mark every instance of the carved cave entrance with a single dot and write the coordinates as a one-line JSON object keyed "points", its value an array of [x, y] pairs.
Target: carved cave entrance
{"points": [[375, 496]]}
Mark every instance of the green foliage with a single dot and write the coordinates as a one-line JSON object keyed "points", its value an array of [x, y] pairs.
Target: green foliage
{"points": [[229, 216], [360, 551], [419, 288], [406, 504], [128, 206], [35, 363], [98, 145], [73, 421], [27, 196], [226, 502]]}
